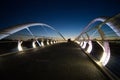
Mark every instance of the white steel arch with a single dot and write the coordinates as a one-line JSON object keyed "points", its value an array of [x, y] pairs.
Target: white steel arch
{"points": [[14, 29]]}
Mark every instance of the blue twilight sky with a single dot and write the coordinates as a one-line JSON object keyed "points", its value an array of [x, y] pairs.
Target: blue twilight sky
{"points": [[67, 16]]}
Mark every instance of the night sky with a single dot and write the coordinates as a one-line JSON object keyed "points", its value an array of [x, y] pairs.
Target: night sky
{"points": [[67, 16]]}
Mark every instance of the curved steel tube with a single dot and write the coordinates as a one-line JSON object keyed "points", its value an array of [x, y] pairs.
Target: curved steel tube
{"points": [[17, 28], [113, 23]]}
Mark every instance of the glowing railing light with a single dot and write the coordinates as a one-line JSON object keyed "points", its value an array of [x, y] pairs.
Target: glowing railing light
{"points": [[89, 47], [38, 42], [42, 44], [81, 44], [103, 58], [106, 53], [47, 42], [33, 44], [77, 42], [20, 46], [51, 42], [99, 63], [54, 42], [84, 45], [107, 58]]}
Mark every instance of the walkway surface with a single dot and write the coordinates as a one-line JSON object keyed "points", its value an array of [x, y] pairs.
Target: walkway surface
{"points": [[63, 61]]}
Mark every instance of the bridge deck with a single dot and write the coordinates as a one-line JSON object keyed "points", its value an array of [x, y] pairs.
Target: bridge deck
{"points": [[63, 61]]}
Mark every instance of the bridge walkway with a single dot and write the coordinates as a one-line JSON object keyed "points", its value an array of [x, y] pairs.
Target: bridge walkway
{"points": [[62, 61]]}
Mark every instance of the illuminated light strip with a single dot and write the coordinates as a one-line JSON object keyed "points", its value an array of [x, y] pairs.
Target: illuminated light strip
{"points": [[20, 46], [106, 54], [77, 42], [38, 42], [54, 42], [84, 45], [42, 44], [51, 42], [47, 42], [89, 47], [33, 36], [33, 44], [81, 43], [107, 51]]}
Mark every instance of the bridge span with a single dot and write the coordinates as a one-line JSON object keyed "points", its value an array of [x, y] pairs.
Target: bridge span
{"points": [[37, 51], [57, 62]]}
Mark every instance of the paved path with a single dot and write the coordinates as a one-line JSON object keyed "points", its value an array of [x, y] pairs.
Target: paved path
{"points": [[63, 61]]}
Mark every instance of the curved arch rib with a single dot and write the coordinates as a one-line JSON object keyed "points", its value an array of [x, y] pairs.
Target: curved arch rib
{"points": [[113, 23], [17, 28]]}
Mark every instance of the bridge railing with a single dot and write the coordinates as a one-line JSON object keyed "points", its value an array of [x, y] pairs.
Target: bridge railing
{"points": [[100, 39], [27, 36]]}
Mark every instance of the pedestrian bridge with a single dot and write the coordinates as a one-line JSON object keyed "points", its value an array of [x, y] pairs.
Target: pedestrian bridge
{"points": [[37, 51]]}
